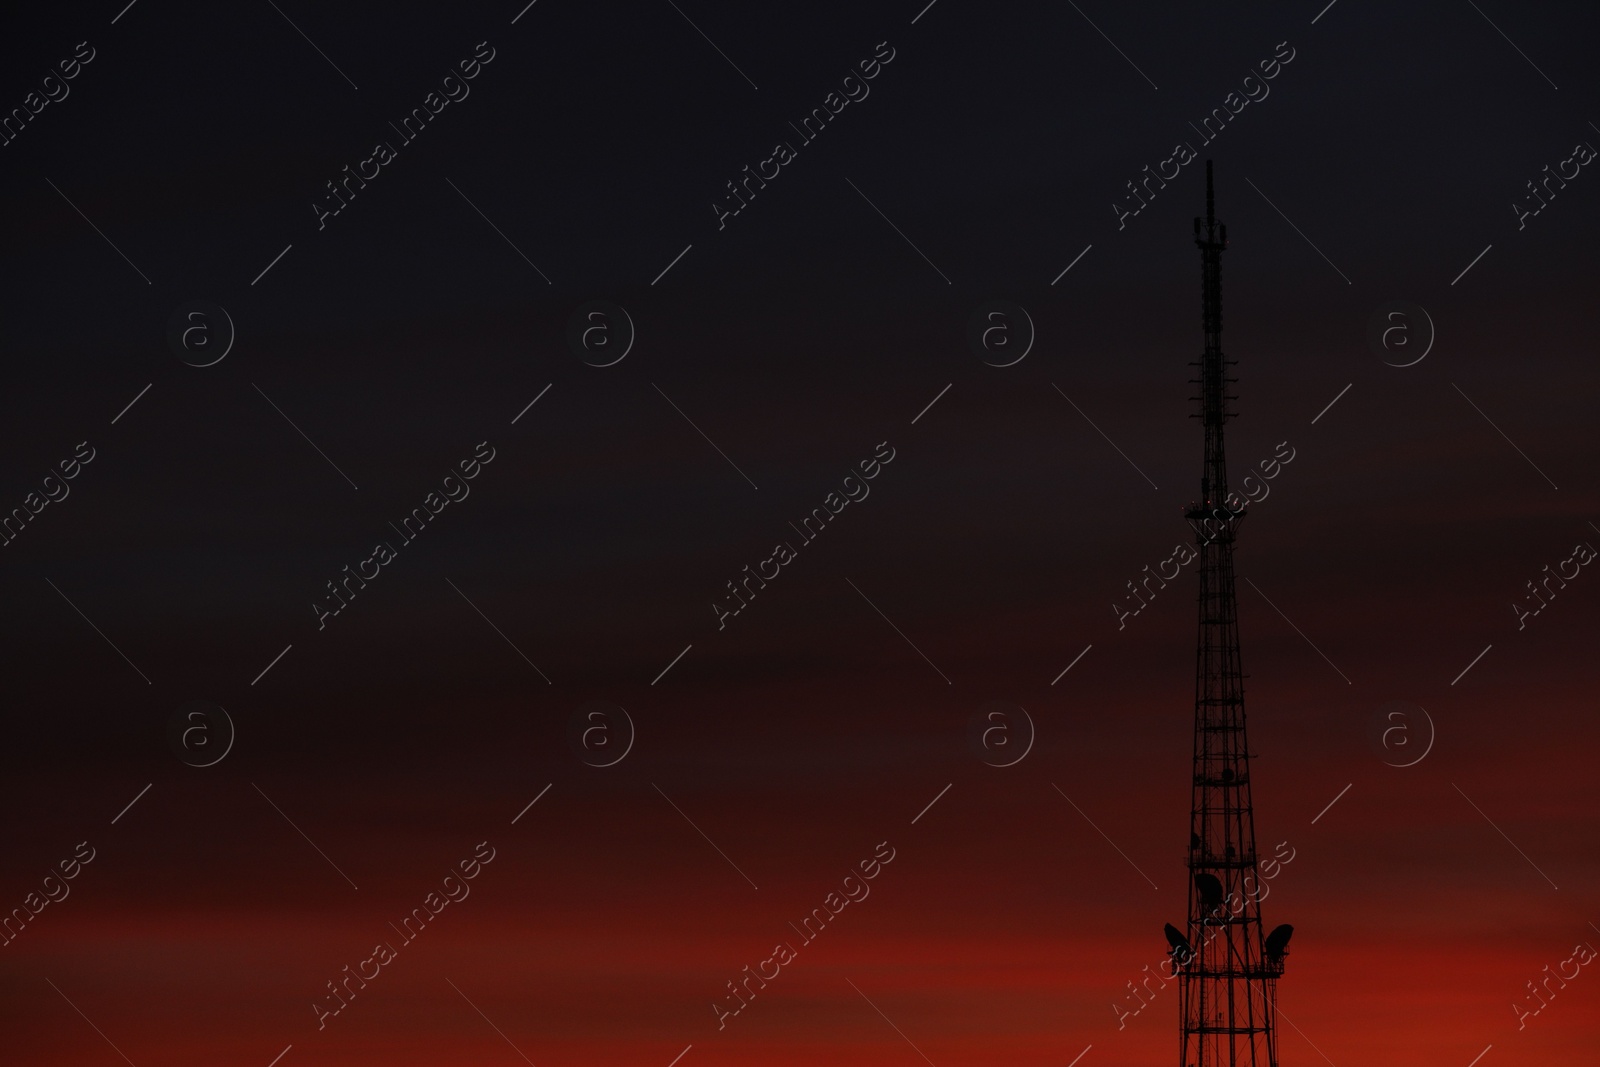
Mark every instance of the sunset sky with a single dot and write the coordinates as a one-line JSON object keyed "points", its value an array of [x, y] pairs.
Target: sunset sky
{"points": [[832, 717]]}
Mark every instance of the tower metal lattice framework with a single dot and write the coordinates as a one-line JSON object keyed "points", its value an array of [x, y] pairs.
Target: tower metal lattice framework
{"points": [[1227, 970]]}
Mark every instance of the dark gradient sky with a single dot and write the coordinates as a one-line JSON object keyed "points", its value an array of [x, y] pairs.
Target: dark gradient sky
{"points": [[797, 338]]}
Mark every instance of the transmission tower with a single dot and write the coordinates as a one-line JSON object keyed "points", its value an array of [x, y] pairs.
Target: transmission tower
{"points": [[1227, 971]]}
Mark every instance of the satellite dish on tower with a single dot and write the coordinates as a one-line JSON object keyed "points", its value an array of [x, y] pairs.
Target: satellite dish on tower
{"points": [[1278, 941], [1177, 943], [1210, 891]]}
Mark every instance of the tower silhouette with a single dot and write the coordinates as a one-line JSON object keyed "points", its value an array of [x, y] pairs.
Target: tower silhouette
{"points": [[1227, 971]]}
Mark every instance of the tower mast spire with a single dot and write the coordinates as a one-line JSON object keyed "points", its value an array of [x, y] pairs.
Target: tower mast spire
{"points": [[1227, 971]]}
